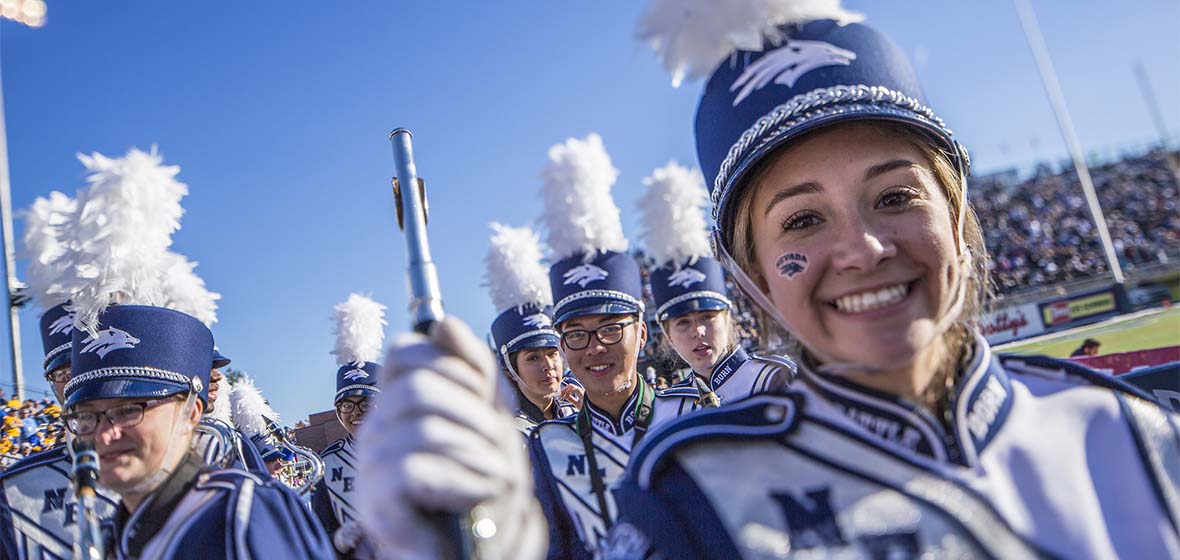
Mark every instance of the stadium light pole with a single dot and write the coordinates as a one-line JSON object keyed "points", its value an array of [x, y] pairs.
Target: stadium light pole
{"points": [[32, 14], [1036, 43]]}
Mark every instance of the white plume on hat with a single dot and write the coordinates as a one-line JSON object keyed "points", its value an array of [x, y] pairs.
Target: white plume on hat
{"points": [[122, 228], [579, 214], [184, 291], [45, 224], [249, 407], [674, 216], [692, 37], [221, 408], [515, 274], [360, 330]]}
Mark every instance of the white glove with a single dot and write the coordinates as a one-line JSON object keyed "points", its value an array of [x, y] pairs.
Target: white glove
{"points": [[441, 439], [347, 537]]}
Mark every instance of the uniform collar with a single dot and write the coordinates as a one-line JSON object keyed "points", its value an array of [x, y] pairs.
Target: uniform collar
{"points": [[724, 370], [601, 420], [979, 404], [136, 529]]}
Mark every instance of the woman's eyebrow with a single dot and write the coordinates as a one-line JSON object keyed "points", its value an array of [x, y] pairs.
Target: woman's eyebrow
{"points": [[806, 187], [882, 168]]}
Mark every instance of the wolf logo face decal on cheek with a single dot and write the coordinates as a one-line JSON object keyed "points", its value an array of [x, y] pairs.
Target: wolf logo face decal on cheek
{"points": [[791, 264]]}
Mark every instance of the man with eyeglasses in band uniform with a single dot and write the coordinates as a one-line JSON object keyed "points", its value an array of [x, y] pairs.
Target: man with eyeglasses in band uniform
{"points": [[38, 511], [598, 315], [359, 343], [244, 454], [136, 394]]}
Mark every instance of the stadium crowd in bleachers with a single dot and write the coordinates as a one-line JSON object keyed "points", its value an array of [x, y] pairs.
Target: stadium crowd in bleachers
{"points": [[27, 427], [1039, 231]]}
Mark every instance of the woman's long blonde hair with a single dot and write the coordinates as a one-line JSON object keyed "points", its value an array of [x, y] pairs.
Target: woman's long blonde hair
{"points": [[958, 339]]}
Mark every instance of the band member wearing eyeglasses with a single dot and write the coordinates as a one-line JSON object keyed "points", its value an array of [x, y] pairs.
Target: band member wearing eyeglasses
{"points": [[358, 345], [598, 316], [37, 506], [136, 396]]}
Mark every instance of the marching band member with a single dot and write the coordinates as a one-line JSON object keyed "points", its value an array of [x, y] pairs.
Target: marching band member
{"points": [[136, 395], [360, 324], [688, 287], [522, 333], [38, 510], [252, 416], [138, 371], [599, 319], [841, 198], [217, 440]]}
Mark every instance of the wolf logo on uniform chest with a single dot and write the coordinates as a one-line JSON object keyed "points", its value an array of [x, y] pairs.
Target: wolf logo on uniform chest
{"points": [[109, 340]]}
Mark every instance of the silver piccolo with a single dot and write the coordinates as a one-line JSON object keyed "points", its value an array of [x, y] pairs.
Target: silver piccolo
{"points": [[88, 542], [426, 308]]}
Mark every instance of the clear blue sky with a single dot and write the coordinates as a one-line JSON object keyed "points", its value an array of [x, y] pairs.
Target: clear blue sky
{"points": [[278, 112]]}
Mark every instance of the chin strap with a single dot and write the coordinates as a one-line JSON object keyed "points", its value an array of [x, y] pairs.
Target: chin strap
{"points": [[180, 426]]}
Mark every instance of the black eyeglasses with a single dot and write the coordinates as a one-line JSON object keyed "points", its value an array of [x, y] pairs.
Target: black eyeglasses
{"points": [[59, 375], [345, 407], [85, 422], [579, 339]]}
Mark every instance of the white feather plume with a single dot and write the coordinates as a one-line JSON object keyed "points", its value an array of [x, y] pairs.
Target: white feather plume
{"points": [[122, 229], [674, 216], [579, 214], [44, 245], [360, 330], [692, 37], [515, 275], [184, 291], [249, 407], [221, 408]]}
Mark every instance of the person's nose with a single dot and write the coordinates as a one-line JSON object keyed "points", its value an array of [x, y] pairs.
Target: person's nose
{"points": [[860, 245]]}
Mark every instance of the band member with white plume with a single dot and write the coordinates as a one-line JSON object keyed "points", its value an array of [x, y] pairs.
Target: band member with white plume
{"points": [[32, 530], [252, 415], [688, 288], [522, 333], [139, 370], [360, 335], [841, 208], [598, 315], [217, 441]]}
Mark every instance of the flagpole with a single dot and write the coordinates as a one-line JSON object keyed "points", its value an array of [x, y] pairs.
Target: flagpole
{"points": [[12, 286], [1036, 43]]}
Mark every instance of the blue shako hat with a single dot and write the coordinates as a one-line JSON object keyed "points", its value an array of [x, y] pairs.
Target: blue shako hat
{"points": [[268, 450], [360, 336], [357, 380], [139, 351], [57, 325], [607, 284], [822, 74], [523, 327], [693, 286], [219, 360]]}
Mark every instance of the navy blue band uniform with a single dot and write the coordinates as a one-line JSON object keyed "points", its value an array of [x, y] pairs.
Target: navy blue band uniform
{"points": [[197, 511], [359, 342], [734, 378], [842, 469], [38, 510]]}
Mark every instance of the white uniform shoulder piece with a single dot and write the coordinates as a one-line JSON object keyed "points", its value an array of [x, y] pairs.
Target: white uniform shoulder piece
{"points": [[1052, 462], [38, 511], [340, 478]]}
